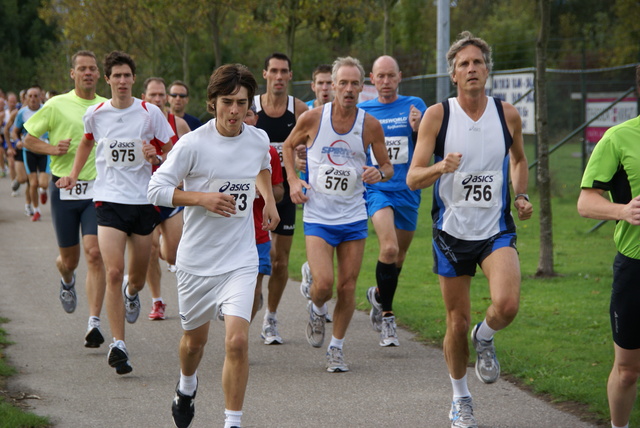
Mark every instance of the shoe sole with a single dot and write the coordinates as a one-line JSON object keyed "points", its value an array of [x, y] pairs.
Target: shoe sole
{"points": [[93, 339], [272, 341], [119, 360], [337, 369], [393, 343], [155, 318]]}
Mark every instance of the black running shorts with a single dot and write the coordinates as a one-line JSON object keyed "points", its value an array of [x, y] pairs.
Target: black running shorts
{"points": [[625, 302]]}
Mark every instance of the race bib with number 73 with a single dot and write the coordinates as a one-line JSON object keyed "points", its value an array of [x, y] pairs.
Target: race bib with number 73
{"points": [[244, 190]]}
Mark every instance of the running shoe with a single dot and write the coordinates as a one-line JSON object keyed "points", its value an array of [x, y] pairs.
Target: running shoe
{"points": [[68, 296], [43, 195], [157, 311], [270, 332], [183, 408], [307, 279], [375, 316], [118, 357], [15, 185], [93, 338], [335, 360], [131, 306], [28, 210], [15, 193], [388, 335], [36, 216], [461, 414], [315, 327], [487, 365]]}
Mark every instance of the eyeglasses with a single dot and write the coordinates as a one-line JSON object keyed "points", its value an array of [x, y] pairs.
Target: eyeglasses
{"points": [[179, 95]]}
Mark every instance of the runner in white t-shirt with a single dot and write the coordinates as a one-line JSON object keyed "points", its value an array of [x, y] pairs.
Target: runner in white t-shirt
{"points": [[125, 131], [222, 164]]}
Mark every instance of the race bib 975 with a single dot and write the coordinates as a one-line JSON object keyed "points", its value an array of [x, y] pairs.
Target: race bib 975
{"points": [[123, 153]]}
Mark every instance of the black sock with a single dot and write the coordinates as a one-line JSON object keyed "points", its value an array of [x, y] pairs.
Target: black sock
{"points": [[387, 279]]}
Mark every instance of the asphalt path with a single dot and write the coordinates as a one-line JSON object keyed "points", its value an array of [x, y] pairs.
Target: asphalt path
{"points": [[406, 386]]}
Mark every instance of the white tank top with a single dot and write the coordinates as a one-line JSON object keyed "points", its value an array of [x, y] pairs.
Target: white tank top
{"points": [[473, 202], [335, 163]]}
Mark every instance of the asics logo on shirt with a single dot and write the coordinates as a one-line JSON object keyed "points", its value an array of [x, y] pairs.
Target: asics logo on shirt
{"points": [[241, 187], [122, 144], [337, 172], [477, 179]]}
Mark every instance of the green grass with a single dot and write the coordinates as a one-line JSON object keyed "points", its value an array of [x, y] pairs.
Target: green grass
{"points": [[10, 416], [560, 344]]}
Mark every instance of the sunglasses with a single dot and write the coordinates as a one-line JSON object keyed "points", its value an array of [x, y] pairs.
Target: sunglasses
{"points": [[179, 95]]}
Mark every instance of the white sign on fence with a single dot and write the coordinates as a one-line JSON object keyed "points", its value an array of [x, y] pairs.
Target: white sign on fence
{"points": [[621, 112], [510, 88]]}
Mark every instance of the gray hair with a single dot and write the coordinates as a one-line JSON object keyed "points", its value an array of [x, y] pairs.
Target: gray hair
{"points": [[465, 39], [346, 61]]}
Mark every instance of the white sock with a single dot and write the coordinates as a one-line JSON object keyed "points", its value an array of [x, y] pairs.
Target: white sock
{"points": [[69, 285], [269, 315], [188, 384], [336, 343], [320, 311], [460, 387], [94, 322], [129, 296], [159, 299], [615, 426], [484, 332], [36, 209], [233, 418]]}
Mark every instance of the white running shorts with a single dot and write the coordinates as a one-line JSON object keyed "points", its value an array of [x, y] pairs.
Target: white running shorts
{"points": [[200, 297]]}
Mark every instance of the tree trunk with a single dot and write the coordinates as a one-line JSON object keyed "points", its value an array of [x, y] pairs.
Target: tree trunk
{"points": [[292, 26], [185, 60], [215, 18], [387, 6], [545, 262]]}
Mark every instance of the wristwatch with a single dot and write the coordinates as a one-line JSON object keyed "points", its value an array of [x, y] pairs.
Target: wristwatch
{"points": [[382, 175], [160, 160], [524, 195]]}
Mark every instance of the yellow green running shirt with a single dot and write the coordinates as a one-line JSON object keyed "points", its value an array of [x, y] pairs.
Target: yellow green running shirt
{"points": [[61, 116], [614, 166]]}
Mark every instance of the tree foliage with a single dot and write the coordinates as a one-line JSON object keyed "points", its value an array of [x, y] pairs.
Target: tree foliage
{"points": [[24, 39]]}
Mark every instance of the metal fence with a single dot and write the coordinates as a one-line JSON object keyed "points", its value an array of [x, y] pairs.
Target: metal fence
{"points": [[566, 90]]}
